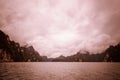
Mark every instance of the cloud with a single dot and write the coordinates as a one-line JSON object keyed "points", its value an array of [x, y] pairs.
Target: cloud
{"points": [[59, 27]]}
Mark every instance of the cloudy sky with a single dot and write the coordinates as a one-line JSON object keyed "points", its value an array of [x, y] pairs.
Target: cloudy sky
{"points": [[62, 27]]}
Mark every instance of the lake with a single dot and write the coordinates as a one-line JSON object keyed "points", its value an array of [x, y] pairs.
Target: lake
{"points": [[59, 71]]}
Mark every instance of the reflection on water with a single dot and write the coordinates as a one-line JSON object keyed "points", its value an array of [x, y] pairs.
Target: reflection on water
{"points": [[59, 71]]}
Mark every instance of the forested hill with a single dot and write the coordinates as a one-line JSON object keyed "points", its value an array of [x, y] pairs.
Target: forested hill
{"points": [[12, 51]]}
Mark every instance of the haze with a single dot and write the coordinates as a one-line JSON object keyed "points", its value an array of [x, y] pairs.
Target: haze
{"points": [[62, 27]]}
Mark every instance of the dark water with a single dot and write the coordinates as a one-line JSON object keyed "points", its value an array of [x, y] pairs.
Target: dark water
{"points": [[59, 71]]}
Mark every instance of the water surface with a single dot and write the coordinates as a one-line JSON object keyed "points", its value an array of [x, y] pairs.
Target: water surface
{"points": [[59, 71]]}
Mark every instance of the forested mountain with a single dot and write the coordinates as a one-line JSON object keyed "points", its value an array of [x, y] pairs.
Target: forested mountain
{"points": [[12, 51]]}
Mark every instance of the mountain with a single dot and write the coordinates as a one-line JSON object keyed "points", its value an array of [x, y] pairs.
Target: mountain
{"points": [[112, 54], [60, 58], [11, 51]]}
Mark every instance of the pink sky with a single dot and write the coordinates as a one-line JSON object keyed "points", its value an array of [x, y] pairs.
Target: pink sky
{"points": [[62, 27]]}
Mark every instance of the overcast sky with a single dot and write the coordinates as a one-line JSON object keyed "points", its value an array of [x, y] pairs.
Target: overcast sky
{"points": [[62, 27]]}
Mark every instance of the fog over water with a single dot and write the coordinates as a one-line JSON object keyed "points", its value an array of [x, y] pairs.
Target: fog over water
{"points": [[62, 27]]}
